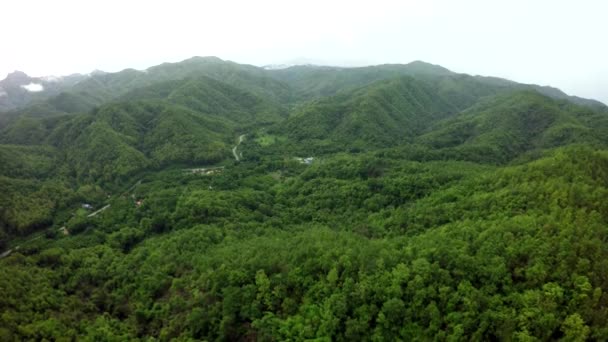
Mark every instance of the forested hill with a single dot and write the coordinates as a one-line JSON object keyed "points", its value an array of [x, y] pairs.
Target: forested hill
{"points": [[208, 200], [77, 93]]}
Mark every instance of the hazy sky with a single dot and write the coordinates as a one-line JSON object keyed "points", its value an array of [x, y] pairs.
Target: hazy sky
{"points": [[548, 42]]}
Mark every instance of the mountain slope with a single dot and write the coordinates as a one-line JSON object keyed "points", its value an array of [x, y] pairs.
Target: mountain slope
{"points": [[100, 88], [502, 127], [545, 90], [209, 96], [437, 206], [120, 139], [298, 84], [109, 86], [385, 113], [189, 121], [18, 89], [310, 82]]}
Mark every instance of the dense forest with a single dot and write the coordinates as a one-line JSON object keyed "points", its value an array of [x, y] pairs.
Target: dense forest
{"points": [[208, 200]]}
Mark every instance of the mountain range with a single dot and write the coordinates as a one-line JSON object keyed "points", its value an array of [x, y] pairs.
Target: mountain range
{"points": [[301, 81], [210, 200], [105, 128]]}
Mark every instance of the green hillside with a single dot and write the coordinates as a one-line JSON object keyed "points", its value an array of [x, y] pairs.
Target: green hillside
{"points": [[382, 114], [503, 127], [207, 200], [184, 123], [209, 96], [309, 82], [100, 88]]}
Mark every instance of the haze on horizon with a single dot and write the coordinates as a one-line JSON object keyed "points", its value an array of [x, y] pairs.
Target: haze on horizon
{"points": [[558, 43]]}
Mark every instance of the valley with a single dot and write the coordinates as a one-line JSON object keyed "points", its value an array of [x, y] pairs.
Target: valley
{"points": [[389, 202]]}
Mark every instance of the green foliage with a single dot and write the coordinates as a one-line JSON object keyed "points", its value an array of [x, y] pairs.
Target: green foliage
{"points": [[27, 205], [503, 127], [27, 161], [310, 82], [437, 206], [383, 114], [352, 248], [211, 97]]}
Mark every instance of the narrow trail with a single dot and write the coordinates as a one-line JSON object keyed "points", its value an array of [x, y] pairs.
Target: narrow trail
{"points": [[236, 155], [98, 211], [6, 253]]}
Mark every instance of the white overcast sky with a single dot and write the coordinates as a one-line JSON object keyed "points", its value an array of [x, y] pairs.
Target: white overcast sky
{"points": [[548, 42]]}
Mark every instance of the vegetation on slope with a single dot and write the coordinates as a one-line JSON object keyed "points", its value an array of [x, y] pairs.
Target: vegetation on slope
{"points": [[439, 250], [383, 114], [435, 206], [503, 127]]}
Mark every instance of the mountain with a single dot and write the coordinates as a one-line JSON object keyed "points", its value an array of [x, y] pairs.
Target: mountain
{"points": [[293, 84], [110, 127], [119, 140], [505, 126], [99, 88], [545, 90], [188, 121], [382, 114], [18, 89], [106, 87], [207, 95], [390, 202], [309, 81], [454, 110]]}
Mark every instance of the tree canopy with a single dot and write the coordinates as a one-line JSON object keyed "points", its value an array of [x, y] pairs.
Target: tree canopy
{"points": [[432, 206]]}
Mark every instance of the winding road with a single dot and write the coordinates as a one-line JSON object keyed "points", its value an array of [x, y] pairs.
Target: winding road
{"points": [[236, 155], [98, 211], [6, 253]]}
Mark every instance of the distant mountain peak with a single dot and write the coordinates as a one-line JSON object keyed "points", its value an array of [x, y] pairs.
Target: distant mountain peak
{"points": [[16, 78], [421, 62], [16, 74], [426, 67], [204, 59], [196, 60]]}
